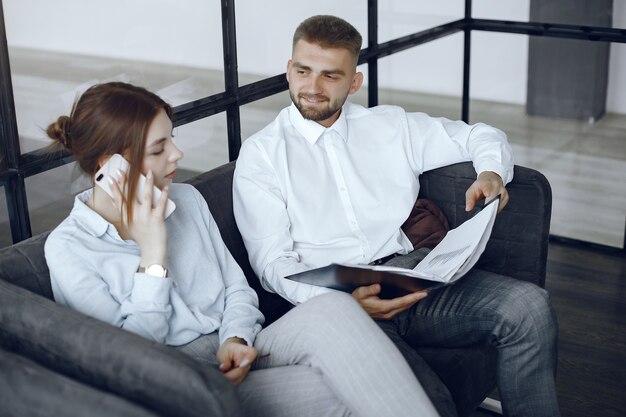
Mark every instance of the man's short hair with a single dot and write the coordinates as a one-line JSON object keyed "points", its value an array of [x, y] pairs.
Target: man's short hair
{"points": [[329, 32]]}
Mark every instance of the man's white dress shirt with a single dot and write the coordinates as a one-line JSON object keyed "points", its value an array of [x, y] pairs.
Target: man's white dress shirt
{"points": [[306, 196]]}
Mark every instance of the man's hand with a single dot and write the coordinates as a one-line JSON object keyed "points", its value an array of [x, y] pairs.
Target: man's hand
{"points": [[488, 185], [236, 358], [377, 308]]}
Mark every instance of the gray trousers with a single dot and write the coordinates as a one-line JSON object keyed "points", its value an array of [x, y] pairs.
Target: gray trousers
{"points": [[485, 308], [327, 357]]}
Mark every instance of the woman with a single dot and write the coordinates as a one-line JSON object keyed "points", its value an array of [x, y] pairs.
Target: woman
{"points": [[172, 280]]}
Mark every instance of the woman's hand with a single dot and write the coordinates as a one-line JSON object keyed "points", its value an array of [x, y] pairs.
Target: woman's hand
{"points": [[236, 358], [147, 226]]}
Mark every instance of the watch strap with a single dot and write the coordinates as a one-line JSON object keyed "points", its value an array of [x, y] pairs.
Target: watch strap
{"points": [[155, 270]]}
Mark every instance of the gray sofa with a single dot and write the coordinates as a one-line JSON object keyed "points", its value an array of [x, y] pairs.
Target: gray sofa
{"points": [[59, 362]]}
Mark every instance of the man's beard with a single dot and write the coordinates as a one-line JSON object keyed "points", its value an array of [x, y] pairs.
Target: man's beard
{"points": [[318, 114]]}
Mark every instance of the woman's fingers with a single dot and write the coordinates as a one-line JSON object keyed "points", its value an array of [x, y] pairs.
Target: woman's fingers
{"points": [[162, 203], [146, 196], [118, 184]]}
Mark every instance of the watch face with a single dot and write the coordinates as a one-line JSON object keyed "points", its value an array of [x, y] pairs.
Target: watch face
{"points": [[156, 270]]}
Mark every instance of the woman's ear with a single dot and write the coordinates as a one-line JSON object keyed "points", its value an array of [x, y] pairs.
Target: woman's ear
{"points": [[102, 160]]}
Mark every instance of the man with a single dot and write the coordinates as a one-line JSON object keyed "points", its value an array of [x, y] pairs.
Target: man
{"points": [[331, 181]]}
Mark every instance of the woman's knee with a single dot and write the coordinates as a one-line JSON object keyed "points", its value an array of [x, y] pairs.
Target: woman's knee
{"points": [[334, 304], [334, 314]]}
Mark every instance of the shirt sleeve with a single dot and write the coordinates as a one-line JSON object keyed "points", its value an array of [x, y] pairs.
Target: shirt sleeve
{"points": [[76, 283], [262, 218], [242, 317], [436, 142]]}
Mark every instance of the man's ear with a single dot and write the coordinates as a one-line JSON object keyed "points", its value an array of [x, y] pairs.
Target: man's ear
{"points": [[288, 68], [357, 82]]}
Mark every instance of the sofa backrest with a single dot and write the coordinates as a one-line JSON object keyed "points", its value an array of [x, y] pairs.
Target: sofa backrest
{"points": [[518, 246], [24, 265]]}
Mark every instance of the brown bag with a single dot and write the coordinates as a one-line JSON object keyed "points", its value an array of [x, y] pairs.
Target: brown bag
{"points": [[426, 225]]}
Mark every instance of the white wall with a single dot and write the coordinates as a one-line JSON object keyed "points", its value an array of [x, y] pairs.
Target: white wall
{"points": [[188, 33]]}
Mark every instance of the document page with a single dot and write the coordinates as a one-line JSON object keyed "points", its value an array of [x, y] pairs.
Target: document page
{"points": [[461, 247], [452, 258]]}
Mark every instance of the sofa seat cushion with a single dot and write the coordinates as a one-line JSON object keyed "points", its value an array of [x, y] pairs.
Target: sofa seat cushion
{"points": [[28, 389]]}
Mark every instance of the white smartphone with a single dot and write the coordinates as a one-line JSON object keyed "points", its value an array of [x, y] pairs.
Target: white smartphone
{"points": [[109, 170]]}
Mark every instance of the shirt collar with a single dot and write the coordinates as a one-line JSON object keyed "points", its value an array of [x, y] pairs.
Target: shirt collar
{"points": [[312, 131], [91, 221]]}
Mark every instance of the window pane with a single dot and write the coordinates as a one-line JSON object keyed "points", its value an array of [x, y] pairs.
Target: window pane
{"points": [[51, 195], [265, 31], [204, 144], [55, 54], [258, 114], [426, 78], [401, 18]]}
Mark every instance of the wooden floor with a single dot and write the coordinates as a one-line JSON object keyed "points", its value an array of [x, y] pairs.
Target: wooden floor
{"points": [[588, 291]]}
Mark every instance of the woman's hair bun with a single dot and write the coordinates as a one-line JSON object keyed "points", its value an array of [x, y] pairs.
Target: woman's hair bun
{"points": [[60, 131]]}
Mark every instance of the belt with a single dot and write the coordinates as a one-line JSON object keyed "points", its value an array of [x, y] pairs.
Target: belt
{"points": [[383, 260]]}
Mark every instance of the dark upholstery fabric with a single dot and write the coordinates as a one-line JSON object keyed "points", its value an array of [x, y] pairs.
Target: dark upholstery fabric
{"points": [[27, 389], [110, 359], [24, 265], [160, 380], [518, 246]]}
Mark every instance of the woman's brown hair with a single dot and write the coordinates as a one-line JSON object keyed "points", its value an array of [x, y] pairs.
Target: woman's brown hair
{"points": [[107, 119]]}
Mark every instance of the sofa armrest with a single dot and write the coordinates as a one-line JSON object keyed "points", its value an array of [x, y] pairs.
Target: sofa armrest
{"points": [[518, 246], [24, 264], [29, 389], [111, 359]]}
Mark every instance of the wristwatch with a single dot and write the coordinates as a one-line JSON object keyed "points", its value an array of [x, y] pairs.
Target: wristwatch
{"points": [[155, 270]]}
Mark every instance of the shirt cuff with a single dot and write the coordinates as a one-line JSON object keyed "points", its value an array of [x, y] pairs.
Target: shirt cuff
{"points": [[502, 171], [151, 289], [248, 336]]}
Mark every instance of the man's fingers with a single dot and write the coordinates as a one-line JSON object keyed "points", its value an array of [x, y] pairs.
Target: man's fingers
{"points": [[405, 301], [386, 309], [471, 196], [365, 292], [504, 199]]}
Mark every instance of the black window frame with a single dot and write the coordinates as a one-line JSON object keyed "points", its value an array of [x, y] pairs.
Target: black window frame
{"points": [[16, 166]]}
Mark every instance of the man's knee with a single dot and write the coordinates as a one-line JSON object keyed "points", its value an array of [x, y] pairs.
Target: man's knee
{"points": [[526, 308]]}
